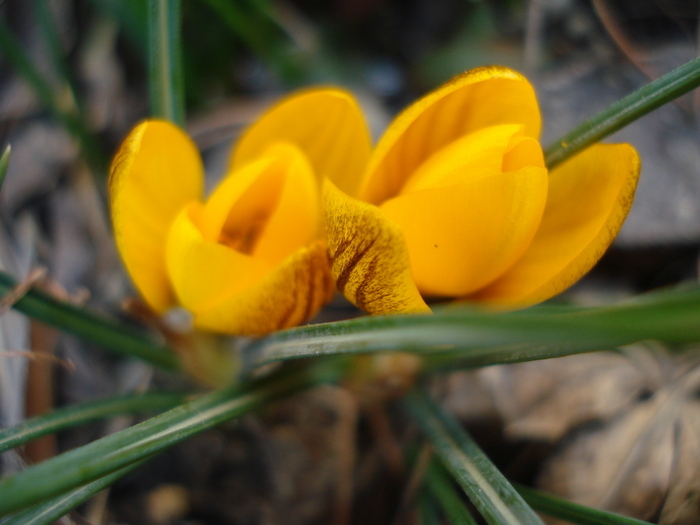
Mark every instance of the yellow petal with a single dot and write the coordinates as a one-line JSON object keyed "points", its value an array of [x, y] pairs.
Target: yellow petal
{"points": [[326, 124], [589, 197], [268, 208], [477, 99], [290, 295], [202, 272], [369, 261], [480, 154], [462, 237], [155, 173]]}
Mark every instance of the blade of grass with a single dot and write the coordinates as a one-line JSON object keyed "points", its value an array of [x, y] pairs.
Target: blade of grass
{"points": [[76, 415], [165, 61], [626, 110], [495, 498], [572, 512], [475, 338], [53, 41], [94, 328], [121, 449], [15, 54], [4, 162], [440, 484], [52, 510]]}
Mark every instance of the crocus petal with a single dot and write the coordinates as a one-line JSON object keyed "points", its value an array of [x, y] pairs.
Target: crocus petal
{"points": [[474, 156], [368, 254], [155, 173], [326, 124], [203, 273], [271, 204], [477, 99], [288, 296], [462, 237], [589, 197]]}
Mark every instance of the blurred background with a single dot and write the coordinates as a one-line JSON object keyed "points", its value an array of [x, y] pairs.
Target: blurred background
{"points": [[73, 81]]}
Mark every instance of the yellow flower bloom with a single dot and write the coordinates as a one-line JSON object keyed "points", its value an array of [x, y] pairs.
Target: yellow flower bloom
{"points": [[251, 258], [457, 202]]}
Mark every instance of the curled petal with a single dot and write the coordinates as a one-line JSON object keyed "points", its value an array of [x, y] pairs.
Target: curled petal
{"points": [[464, 236], [288, 296], [326, 124], [368, 254], [589, 197], [234, 293], [155, 173], [480, 154], [204, 273], [477, 99], [268, 208]]}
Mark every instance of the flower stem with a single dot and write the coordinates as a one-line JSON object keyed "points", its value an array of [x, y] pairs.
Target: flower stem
{"points": [[102, 331], [165, 61], [655, 94]]}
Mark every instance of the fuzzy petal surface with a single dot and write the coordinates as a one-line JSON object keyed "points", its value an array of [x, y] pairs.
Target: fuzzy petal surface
{"points": [[326, 124], [368, 255], [589, 198], [155, 173], [482, 97]]}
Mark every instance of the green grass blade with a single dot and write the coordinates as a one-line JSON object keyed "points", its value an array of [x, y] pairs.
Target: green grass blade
{"points": [[4, 163], [495, 498], [53, 41], [77, 415], [94, 328], [48, 512], [114, 452], [572, 512], [165, 61], [626, 110], [15, 54], [475, 338], [440, 484]]}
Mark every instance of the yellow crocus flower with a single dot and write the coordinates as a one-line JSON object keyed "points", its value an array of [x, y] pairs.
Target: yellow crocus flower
{"points": [[457, 202], [251, 258]]}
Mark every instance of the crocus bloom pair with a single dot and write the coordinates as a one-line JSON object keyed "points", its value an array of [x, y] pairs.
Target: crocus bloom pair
{"points": [[454, 201]]}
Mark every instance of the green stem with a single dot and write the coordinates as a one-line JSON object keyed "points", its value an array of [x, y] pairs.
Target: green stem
{"points": [[4, 162], [488, 490], [76, 415], [572, 512], [165, 61], [50, 511], [472, 338], [116, 451], [655, 94], [91, 327], [442, 487]]}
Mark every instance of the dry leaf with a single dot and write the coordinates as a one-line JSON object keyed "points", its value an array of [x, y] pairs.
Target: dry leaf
{"points": [[627, 424]]}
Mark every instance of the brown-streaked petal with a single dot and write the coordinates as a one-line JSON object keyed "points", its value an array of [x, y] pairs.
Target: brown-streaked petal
{"points": [[368, 255], [288, 296]]}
